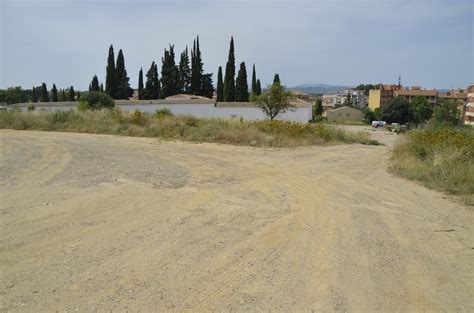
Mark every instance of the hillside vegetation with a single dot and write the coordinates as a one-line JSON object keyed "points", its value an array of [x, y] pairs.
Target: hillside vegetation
{"points": [[164, 125]]}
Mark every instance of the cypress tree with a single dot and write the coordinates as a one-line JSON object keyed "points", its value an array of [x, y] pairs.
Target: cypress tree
{"points": [[207, 86], [34, 96], [111, 75], [72, 94], [241, 85], [54, 93], [152, 84], [123, 86], [140, 84], [184, 72], [276, 79], [254, 81], [94, 85], [259, 88], [62, 95], [44, 95], [196, 69], [169, 74], [101, 87], [220, 85], [229, 80]]}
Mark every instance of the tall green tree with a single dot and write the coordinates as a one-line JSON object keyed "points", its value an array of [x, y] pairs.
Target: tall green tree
{"points": [[62, 95], [276, 79], [422, 109], [220, 85], [196, 68], [34, 96], [169, 74], [446, 113], [348, 99], [254, 80], [72, 94], [54, 93], [318, 106], [124, 91], [207, 86], [94, 85], [241, 85], [101, 87], [152, 84], [184, 72], [259, 88], [140, 84], [44, 95], [398, 110], [78, 95], [229, 79], [111, 75]]}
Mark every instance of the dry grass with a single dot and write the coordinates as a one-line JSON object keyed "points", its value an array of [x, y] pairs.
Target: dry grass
{"points": [[138, 124], [440, 158]]}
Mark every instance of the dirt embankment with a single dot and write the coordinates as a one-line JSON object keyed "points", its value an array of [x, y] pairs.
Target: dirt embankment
{"points": [[98, 223]]}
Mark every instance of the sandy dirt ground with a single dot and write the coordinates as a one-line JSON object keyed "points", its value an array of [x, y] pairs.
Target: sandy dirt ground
{"points": [[104, 223]]}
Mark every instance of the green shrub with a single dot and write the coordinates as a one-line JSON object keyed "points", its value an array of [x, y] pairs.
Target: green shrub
{"points": [[163, 112], [83, 106], [98, 100], [31, 107]]}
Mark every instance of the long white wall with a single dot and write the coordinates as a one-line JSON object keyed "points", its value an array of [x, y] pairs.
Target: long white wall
{"points": [[300, 114]]}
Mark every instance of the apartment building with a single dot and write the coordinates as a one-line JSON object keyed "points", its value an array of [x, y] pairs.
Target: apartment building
{"points": [[409, 94], [379, 97], [469, 108], [333, 100]]}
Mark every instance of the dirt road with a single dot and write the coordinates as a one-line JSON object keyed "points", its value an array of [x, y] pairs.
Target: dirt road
{"points": [[100, 223]]}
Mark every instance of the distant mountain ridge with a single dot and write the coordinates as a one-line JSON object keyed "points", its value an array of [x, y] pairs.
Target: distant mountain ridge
{"points": [[319, 88]]}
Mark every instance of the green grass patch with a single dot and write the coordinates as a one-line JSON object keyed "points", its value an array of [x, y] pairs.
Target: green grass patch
{"points": [[165, 125], [440, 158]]}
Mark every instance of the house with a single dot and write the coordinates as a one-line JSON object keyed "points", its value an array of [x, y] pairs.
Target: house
{"points": [[469, 109], [344, 114]]}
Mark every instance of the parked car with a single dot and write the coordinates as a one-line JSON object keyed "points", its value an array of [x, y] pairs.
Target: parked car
{"points": [[377, 124]]}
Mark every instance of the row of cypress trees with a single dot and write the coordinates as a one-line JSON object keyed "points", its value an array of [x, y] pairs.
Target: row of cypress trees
{"points": [[187, 77], [116, 79], [43, 95], [233, 89]]}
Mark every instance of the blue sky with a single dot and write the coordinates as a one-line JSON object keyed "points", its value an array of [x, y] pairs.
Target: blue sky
{"points": [[427, 42]]}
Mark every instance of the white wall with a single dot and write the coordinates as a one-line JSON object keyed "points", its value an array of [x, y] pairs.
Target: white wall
{"points": [[301, 114]]}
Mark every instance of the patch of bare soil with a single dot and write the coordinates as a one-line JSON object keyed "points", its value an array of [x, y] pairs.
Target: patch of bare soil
{"points": [[100, 223]]}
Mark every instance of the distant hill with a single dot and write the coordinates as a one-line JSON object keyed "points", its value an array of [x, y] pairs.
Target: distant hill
{"points": [[319, 88]]}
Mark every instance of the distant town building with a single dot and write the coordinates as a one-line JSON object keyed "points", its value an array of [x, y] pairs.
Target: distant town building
{"points": [[409, 94], [380, 97], [344, 114], [469, 108], [338, 99]]}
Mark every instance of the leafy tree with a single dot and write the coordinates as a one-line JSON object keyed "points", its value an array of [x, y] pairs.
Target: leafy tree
{"points": [[276, 79], [259, 88], [398, 110], [446, 113], [34, 96], [44, 95], [229, 79], [111, 75], [96, 100], [62, 95], [422, 109], [318, 106], [54, 94], [196, 69], [13, 95], [220, 86], [207, 86], [152, 84], [241, 86], [275, 101], [72, 94], [140, 84], [348, 101], [94, 85], [169, 74], [184, 72]]}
